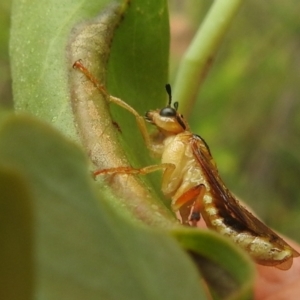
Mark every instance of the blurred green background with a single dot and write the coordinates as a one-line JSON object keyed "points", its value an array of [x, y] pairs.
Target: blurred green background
{"points": [[247, 110]]}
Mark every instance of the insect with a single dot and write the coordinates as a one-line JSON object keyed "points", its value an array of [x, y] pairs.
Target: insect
{"points": [[191, 180]]}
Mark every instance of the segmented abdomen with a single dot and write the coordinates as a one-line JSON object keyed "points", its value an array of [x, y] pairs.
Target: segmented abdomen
{"points": [[261, 249]]}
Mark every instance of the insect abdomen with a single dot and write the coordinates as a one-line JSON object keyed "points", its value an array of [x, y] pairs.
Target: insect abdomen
{"points": [[260, 248]]}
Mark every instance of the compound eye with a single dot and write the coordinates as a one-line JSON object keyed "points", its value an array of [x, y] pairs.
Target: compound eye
{"points": [[168, 112]]}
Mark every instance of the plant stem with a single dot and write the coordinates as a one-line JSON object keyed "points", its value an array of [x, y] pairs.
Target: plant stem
{"points": [[198, 58]]}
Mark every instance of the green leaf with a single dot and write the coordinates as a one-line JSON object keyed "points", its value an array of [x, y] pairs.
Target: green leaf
{"points": [[227, 269], [16, 234], [138, 70], [39, 38], [42, 62], [46, 84], [82, 248]]}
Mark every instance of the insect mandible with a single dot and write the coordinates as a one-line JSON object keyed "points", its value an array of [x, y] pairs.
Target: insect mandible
{"points": [[191, 179]]}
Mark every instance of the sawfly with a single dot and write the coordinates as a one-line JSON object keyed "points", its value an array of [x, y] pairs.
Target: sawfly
{"points": [[191, 179]]}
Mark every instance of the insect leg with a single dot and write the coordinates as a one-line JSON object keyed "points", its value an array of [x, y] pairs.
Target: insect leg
{"points": [[195, 216], [139, 119], [133, 171], [187, 200]]}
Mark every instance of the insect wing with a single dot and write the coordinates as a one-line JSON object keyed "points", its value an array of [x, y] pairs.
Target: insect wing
{"points": [[239, 216]]}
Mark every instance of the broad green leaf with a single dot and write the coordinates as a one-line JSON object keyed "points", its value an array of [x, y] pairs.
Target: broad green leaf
{"points": [[82, 248], [38, 47], [42, 84], [227, 270], [42, 62], [16, 235], [138, 75]]}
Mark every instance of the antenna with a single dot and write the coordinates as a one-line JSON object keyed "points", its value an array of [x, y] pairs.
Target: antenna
{"points": [[169, 91]]}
